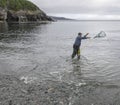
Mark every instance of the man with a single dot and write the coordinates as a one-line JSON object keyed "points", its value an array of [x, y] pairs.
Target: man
{"points": [[77, 44]]}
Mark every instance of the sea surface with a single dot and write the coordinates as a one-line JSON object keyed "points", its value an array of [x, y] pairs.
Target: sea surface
{"points": [[38, 52]]}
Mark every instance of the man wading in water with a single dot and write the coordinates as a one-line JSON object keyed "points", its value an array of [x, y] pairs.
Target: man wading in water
{"points": [[77, 44]]}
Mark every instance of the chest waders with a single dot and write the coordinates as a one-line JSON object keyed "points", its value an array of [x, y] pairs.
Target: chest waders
{"points": [[76, 51]]}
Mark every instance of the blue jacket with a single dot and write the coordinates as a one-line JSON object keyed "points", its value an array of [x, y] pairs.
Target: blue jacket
{"points": [[78, 40]]}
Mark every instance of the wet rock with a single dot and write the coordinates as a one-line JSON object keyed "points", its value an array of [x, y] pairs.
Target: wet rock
{"points": [[3, 14], [10, 102], [25, 16]]}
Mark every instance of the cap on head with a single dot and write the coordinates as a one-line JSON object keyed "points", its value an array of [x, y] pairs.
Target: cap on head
{"points": [[79, 33]]}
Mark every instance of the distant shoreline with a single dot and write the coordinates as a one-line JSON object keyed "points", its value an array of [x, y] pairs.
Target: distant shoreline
{"points": [[55, 18]]}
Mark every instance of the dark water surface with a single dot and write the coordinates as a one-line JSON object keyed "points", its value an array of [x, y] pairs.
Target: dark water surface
{"points": [[41, 54]]}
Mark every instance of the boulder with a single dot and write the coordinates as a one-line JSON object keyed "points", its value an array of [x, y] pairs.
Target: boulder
{"points": [[3, 14]]}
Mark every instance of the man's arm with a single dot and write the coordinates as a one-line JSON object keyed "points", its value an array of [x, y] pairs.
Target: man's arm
{"points": [[85, 36]]}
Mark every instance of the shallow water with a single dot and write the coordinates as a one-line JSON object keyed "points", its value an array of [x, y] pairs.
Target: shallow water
{"points": [[39, 52]]}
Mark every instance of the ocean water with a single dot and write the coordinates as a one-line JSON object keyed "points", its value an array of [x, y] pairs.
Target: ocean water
{"points": [[38, 52], [48, 48]]}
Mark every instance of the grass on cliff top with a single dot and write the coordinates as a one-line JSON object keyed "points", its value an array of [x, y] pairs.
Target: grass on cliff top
{"points": [[17, 5]]}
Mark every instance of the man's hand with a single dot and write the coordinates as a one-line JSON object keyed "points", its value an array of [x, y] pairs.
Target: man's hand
{"points": [[86, 34], [87, 37]]}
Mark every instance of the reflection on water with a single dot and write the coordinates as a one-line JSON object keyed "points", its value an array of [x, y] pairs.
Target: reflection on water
{"points": [[3, 27]]}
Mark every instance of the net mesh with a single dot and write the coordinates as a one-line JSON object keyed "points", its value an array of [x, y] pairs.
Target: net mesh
{"points": [[100, 34]]}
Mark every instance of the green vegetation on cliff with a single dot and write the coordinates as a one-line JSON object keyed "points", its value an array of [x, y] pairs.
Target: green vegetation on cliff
{"points": [[21, 11], [17, 5]]}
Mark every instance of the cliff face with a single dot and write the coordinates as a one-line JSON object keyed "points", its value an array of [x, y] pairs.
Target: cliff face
{"points": [[3, 14], [21, 11]]}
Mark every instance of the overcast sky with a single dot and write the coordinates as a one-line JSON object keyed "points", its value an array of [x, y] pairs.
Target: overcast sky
{"points": [[81, 9]]}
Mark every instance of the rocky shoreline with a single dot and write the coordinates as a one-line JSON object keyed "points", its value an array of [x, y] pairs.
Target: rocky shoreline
{"points": [[14, 91], [27, 16], [22, 16]]}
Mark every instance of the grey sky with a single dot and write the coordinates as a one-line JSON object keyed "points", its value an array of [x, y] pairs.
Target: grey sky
{"points": [[87, 9]]}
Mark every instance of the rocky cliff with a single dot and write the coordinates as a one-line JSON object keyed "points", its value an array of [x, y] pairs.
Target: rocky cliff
{"points": [[21, 11]]}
